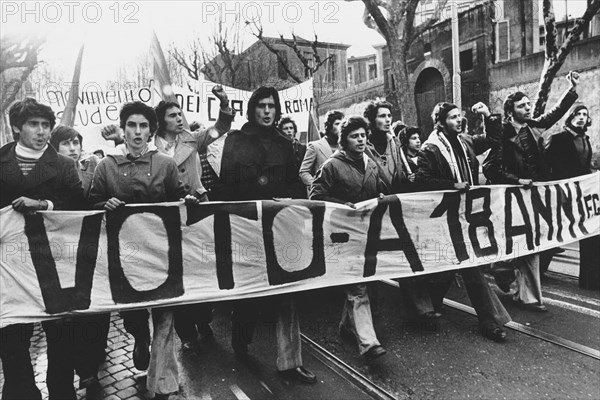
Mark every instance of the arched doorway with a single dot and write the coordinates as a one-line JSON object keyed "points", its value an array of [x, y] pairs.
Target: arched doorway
{"points": [[429, 90]]}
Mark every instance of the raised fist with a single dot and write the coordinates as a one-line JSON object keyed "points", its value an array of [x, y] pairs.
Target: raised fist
{"points": [[481, 109], [573, 78], [112, 132], [218, 91]]}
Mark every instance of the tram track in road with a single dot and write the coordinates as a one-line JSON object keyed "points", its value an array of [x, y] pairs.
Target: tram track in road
{"points": [[348, 372], [525, 329]]}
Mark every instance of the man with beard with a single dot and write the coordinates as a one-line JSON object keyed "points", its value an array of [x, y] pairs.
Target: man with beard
{"points": [[257, 163], [447, 161]]}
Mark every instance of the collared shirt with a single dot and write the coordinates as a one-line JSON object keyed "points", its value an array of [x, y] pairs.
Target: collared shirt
{"points": [[517, 125]]}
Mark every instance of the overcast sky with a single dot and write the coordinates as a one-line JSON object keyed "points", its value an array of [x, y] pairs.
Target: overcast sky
{"points": [[118, 32]]}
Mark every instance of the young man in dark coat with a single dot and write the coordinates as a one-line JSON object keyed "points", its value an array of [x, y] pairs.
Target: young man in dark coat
{"points": [[447, 161], [570, 154], [257, 163], [519, 158], [34, 177]]}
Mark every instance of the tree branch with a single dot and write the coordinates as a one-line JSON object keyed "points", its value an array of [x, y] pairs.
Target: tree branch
{"points": [[421, 28], [577, 30], [384, 28], [550, 28], [259, 35]]}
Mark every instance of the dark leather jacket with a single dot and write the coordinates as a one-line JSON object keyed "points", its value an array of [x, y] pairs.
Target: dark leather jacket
{"points": [[521, 155]]}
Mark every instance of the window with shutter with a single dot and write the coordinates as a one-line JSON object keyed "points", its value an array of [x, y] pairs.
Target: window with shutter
{"points": [[502, 41]]}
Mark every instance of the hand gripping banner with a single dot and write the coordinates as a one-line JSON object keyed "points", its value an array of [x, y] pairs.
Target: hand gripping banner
{"points": [[70, 262]]}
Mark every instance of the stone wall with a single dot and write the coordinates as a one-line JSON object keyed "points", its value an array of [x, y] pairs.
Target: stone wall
{"points": [[354, 97], [523, 75]]}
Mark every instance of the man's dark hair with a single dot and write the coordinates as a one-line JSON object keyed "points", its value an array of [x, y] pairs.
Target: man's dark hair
{"points": [[440, 113], [62, 132], [574, 111], [99, 153], [509, 103], [262, 93], [372, 109], [287, 120], [331, 117], [351, 124], [161, 111], [27, 108], [406, 133], [137, 107]]}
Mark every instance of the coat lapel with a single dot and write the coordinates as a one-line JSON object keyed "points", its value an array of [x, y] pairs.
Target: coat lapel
{"points": [[324, 148], [184, 148]]}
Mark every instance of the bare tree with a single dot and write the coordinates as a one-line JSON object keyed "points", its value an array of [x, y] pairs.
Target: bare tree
{"points": [[18, 58], [395, 21], [220, 61], [312, 64], [555, 56]]}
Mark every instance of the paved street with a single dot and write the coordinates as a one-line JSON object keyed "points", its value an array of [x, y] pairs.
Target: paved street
{"points": [[454, 361]]}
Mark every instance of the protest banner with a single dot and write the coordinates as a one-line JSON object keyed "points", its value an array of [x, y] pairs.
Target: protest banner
{"points": [[97, 108], [59, 263]]}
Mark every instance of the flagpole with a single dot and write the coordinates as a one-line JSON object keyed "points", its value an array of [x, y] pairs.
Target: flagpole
{"points": [[456, 82], [68, 116]]}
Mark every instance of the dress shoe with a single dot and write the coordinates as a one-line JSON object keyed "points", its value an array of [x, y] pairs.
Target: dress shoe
{"points": [[374, 353], [93, 390], [346, 334], [493, 332], [535, 307], [299, 374], [141, 354], [87, 381], [429, 321]]}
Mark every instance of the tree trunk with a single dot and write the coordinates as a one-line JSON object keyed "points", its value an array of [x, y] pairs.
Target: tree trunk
{"points": [[403, 96], [549, 71], [555, 61]]}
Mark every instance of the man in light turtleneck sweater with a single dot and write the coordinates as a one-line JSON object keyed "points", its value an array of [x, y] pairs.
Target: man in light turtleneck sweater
{"points": [[34, 177]]}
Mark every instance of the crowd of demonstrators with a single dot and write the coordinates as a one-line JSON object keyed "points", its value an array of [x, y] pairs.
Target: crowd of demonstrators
{"points": [[520, 158], [358, 158], [569, 155], [349, 176]]}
